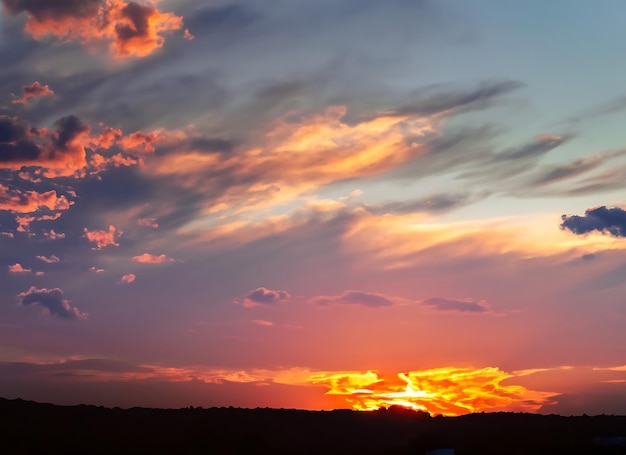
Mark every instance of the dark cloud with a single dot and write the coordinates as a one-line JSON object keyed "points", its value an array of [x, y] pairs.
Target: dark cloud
{"points": [[534, 149], [435, 203], [368, 299], [68, 128], [456, 100], [262, 296], [43, 10], [464, 305], [601, 219], [52, 301], [12, 129]]}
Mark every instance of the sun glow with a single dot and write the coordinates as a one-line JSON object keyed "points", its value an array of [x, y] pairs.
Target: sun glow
{"points": [[447, 391]]}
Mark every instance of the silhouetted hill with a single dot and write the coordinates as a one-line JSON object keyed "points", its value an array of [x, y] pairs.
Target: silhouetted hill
{"points": [[31, 428]]}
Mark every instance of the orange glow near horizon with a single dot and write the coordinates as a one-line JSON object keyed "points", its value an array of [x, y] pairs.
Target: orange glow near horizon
{"points": [[447, 391]]}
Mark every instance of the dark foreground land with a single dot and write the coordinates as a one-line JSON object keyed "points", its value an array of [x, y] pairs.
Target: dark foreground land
{"points": [[32, 428]]}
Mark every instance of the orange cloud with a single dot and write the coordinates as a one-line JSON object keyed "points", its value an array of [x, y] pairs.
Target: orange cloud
{"points": [[34, 90], [17, 268], [131, 28], [299, 156], [447, 391], [147, 258], [17, 201], [103, 239], [140, 141]]}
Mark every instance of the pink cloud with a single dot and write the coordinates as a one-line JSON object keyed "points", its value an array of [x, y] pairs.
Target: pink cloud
{"points": [[34, 90], [53, 235], [127, 279], [148, 222], [103, 239], [49, 260], [147, 258]]}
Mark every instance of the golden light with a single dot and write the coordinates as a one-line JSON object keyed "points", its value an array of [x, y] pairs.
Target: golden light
{"points": [[448, 391]]}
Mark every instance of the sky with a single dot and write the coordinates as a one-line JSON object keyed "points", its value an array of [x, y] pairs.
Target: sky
{"points": [[314, 204]]}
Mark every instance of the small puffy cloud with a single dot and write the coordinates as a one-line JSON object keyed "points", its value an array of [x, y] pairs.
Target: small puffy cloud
{"points": [[147, 258], [51, 301], [103, 239], [53, 235], [127, 279], [368, 299], [262, 296], [130, 28], [96, 270], [49, 260], [34, 90], [459, 305], [601, 219], [18, 268]]}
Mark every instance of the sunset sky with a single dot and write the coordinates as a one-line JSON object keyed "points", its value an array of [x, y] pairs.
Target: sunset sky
{"points": [[314, 204]]}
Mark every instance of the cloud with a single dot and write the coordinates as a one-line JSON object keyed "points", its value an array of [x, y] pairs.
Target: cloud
{"points": [[131, 29], [368, 299], [34, 90], [49, 260], [53, 235], [147, 258], [462, 305], [262, 296], [19, 201], [60, 152], [17, 268], [429, 103], [263, 323], [103, 239], [52, 301], [601, 219], [448, 391], [95, 269], [127, 279], [323, 148], [435, 203]]}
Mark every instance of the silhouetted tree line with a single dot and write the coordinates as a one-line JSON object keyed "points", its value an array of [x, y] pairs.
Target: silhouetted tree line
{"points": [[31, 428]]}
